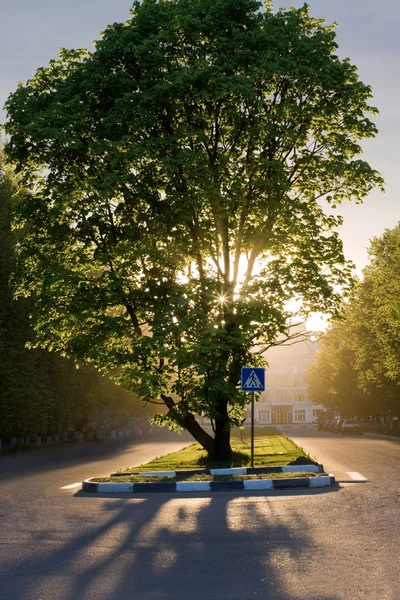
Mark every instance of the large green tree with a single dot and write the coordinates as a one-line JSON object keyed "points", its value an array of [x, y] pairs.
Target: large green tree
{"points": [[177, 174]]}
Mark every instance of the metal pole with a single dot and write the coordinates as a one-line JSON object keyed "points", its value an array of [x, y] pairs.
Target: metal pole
{"points": [[252, 429]]}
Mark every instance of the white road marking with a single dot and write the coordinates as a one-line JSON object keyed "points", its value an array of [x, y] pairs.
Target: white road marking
{"points": [[356, 476], [72, 486]]}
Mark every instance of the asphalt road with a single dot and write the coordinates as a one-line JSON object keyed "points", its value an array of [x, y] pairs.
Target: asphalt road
{"points": [[58, 544]]}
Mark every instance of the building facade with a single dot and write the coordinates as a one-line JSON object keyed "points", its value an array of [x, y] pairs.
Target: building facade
{"points": [[285, 400]]}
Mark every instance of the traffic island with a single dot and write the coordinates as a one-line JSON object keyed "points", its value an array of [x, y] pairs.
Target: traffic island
{"points": [[211, 483], [280, 463]]}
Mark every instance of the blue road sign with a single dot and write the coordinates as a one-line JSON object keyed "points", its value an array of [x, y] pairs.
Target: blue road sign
{"points": [[253, 379]]}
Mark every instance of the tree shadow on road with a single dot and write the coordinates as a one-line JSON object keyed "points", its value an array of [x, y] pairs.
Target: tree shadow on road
{"points": [[170, 547]]}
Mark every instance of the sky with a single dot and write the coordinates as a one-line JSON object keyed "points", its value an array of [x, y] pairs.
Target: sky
{"points": [[32, 31]]}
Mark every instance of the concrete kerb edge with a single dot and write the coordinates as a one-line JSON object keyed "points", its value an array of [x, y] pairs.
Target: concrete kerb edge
{"points": [[206, 486], [310, 468], [381, 435]]}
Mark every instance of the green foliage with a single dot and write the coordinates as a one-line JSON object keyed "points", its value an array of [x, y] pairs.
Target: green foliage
{"points": [[333, 380], [358, 368], [379, 296], [41, 392], [176, 176]]}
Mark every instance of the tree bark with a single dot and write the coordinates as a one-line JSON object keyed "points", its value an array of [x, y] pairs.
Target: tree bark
{"points": [[189, 423], [222, 439], [219, 447]]}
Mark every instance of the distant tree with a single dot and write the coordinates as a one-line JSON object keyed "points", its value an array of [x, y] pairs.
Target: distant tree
{"points": [[358, 367], [42, 392], [176, 176], [17, 366], [376, 322], [381, 293], [334, 379]]}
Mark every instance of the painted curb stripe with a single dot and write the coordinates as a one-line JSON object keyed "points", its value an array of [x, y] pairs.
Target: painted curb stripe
{"points": [[158, 473], [193, 486], [320, 481], [300, 469], [258, 484], [313, 468], [205, 486], [154, 487], [234, 471], [88, 486], [263, 470], [226, 486], [288, 483], [114, 488]]}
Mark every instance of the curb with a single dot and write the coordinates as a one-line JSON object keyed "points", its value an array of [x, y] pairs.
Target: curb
{"points": [[311, 468], [381, 435], [207, 486]]}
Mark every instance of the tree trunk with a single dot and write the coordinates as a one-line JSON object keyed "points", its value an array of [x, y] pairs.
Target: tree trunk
{"points": [[219, 447], [189, 423], [199, 434], [222, 440]]}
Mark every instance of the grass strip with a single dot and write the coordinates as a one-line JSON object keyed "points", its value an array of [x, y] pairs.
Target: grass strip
{"points": [[271, 449]]}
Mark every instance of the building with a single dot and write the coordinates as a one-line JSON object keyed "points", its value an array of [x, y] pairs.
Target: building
{"points": [[285, 399]]}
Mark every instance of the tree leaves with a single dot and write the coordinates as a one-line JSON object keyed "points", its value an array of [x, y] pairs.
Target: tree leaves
{"points": [[358, 368], [184, 161], [42, 392]]}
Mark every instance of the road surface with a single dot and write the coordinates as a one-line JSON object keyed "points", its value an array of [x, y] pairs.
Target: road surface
{"points": [[58, 544]]}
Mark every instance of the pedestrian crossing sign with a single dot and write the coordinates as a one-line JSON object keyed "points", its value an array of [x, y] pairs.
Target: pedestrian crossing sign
{"points": [[253, 379]]}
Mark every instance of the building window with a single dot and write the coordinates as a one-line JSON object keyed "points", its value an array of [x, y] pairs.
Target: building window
{"points": [[300, 415], [263, 397], [281, 384], [280, 368], [299, 398], [281, 398], [263, 416], [299, 368], [299, 383], [316, 412]]}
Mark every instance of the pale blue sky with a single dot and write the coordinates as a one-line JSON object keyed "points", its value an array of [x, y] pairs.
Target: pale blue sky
{"points": [[32, 31]]}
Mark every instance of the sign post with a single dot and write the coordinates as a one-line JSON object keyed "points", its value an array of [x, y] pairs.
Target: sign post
{"points": [[252, 380], [252, 430]]}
